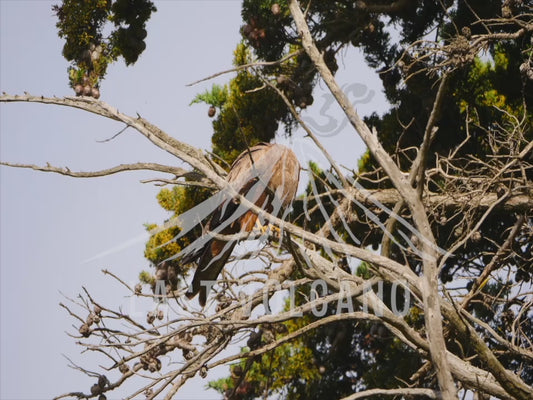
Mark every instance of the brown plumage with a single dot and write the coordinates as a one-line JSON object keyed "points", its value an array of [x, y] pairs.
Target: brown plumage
{"points": [[267, 175]]}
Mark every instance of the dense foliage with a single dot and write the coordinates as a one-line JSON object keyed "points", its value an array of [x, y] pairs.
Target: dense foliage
{"points": [[88, 46]]}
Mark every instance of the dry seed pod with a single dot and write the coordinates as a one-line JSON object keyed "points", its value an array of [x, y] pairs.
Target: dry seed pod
{"points": [[95, 92], [102, 381], [95, 389], [254, 341], [152, 366], [138, 288], [150, 317], [476, 237], [268, 336], [123, 368], [187, 354], [85, 330]]}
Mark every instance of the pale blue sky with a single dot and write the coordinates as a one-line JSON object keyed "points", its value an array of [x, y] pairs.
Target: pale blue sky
{"points": [[51, 224]]}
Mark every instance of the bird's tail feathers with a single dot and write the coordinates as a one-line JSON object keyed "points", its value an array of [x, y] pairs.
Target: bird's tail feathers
{"points": [[209, 266]]}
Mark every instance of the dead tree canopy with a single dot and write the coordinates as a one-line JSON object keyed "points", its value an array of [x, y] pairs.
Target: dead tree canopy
{"points": [[407, 275]]}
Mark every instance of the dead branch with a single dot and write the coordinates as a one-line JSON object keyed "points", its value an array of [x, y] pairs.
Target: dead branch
{"points": [[429, 280], [105, 172], [431, 394]]}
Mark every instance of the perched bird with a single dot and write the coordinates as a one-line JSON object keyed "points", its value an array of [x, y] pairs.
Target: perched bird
{"points": [[267, 175]]}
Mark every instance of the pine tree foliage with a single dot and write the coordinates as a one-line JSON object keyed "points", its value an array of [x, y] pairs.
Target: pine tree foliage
{"points": [[83, 25]]}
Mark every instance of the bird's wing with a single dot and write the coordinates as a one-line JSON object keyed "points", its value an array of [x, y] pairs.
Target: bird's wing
{"points": [[267, 174]]}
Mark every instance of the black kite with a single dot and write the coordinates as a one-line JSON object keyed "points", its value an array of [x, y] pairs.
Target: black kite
{"points": [[267, 175]]}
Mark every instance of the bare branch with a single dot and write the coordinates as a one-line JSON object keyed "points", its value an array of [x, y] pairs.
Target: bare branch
{"points": [[183, 151], [429, 279], [248, 66], [431, 394], [105, 172], [489, 269]]}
